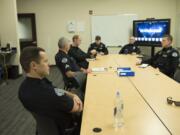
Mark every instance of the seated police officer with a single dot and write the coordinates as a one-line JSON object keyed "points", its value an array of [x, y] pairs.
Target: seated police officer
{"points": [[39, 96], [167, 59], [68, 66], [130, 48], [79, 55], [98, 47]]}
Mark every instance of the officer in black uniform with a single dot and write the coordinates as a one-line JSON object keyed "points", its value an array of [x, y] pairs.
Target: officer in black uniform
{"points": [[39, 96], [130, 48], [71, 71], [98, 47], [79, 55], [167, 59]]}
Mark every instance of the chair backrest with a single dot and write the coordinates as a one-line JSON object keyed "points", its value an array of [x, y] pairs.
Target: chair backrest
{"points": [[45, 125], [177, 75], [69, 82], [48, 126]]}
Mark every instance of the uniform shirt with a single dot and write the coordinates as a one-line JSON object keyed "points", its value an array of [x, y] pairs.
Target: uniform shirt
{"points": [[99, 48], [129, 48], [166, 60], [66, 63], [79, 56], [41, 97]]}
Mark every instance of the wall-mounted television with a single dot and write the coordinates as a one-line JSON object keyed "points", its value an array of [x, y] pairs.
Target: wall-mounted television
{"points": [[150, 31]]}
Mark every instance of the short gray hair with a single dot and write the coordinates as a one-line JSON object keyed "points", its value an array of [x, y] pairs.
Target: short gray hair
{"points": [[62, 42]]}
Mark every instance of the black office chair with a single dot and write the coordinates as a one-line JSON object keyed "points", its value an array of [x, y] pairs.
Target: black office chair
{"points": [[47, 126], [177, 75], [72, 85], [69, 83]]}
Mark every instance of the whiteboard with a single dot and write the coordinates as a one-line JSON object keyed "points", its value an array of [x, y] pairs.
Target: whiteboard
{"points": [[114, 30]]}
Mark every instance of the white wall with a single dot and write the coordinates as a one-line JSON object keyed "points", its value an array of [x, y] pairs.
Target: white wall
{"points": [[114, 30], [8, 27], [52, 16]]}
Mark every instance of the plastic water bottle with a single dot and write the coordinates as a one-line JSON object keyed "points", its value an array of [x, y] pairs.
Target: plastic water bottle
{"points": [[118, 111]]}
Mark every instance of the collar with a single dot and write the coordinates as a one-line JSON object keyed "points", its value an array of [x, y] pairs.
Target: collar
{"points": [[33, 79], [168, 48], [74, 46], [97, 44], [61, 51]]}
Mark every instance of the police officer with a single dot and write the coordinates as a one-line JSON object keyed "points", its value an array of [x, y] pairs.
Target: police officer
{"points": [[39, 96], [130, 48], [167, 59], [71, 71], [79, 55], [98, 47]]}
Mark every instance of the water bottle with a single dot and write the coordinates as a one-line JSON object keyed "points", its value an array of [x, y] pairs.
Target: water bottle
{"points": [[118, 111]]}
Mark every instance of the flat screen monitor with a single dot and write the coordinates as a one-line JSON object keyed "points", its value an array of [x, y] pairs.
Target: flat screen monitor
{"points": [[150, 32]]}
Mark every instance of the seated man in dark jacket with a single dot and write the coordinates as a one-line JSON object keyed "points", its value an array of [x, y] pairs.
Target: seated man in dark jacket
{"points": [[167, 59], [68, 66], [79, 55], [40, 97], [130, 48], [98, 47]]}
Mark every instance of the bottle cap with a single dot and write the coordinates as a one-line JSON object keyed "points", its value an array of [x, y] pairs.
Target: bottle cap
{"points": [[117, 93], [97, 130]]}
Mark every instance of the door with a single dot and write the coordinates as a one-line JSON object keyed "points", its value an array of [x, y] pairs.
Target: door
{"points": [[27, 30]]}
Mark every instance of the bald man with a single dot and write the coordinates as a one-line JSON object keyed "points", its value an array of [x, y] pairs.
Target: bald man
{"points": [[130, 48]]}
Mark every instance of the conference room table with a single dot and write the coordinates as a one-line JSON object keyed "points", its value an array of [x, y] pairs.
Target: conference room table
{"points": [[146, 111]]}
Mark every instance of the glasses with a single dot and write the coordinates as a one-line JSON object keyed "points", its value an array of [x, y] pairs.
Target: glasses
{"points": [[170, 101]]}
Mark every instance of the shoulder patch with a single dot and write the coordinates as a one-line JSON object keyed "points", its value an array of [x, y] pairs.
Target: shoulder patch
{"points": [[174, 54], [59, 92], [67, 66], [64, 60]]}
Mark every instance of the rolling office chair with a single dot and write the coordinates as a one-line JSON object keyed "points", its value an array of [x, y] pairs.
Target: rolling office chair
{"points": [[75, 85], [72, 85], [47, 126], [68, 83], [177, 73]]}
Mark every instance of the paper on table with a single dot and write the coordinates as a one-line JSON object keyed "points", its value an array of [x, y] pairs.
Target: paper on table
{"points": [[144, 65], [99, 69], [90, 59]]}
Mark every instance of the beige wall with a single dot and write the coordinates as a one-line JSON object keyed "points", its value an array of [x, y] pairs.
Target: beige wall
{"points": [[52, 16], [178, 6], [178, 24], [8, 27]]}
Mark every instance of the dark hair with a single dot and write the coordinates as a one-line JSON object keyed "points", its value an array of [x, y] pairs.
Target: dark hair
{"points": [[169, 37], [75, 37], [28, 55], [97, 38]]}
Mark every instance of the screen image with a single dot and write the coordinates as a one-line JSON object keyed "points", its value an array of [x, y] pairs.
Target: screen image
{"points": [[151, 31]]}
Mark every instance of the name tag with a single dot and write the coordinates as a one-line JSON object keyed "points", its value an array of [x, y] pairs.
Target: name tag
{"points": [[164, 55], [59, 92]]}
